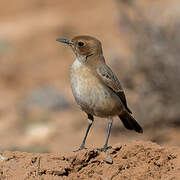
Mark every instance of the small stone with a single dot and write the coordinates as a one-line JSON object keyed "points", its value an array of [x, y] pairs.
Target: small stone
{"points": [[3, 158], [108, 159]]}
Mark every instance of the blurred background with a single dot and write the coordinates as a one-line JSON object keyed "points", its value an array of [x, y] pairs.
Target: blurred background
{"points": [[141, 43]]}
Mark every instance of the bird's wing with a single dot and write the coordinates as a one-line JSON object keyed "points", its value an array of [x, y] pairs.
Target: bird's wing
{"points": [[110, 79]]}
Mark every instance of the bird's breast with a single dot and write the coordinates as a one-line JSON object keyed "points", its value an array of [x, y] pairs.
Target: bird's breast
{"points": [[83, 81], [90, 93]]}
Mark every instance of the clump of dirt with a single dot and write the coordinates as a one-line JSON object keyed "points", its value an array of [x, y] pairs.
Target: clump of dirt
{"points": [[137, 160]]}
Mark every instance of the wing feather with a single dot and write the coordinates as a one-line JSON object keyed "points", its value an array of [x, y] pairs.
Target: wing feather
{"points": [[110, 79]]}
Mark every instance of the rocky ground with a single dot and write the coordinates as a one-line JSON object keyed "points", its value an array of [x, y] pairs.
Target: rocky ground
{"points": [[137, 160]]}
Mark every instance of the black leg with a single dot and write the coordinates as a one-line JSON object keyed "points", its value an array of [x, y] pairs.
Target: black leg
{"points": [[108, 134], [90, 122]]}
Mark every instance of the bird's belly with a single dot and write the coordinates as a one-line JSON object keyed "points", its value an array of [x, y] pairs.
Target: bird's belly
{"points": [[93, 96]]}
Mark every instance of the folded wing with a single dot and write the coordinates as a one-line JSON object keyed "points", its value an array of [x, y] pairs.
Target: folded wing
{"points": [[110, 79]]}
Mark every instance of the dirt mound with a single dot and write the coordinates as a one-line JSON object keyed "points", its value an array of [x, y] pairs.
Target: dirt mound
{"points": [[137, 160]]}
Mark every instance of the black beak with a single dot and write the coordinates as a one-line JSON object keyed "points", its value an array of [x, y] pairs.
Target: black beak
{"points": [[66, 41]]}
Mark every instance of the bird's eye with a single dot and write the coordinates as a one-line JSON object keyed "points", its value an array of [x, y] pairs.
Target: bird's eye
{"points": [[80, 43]]}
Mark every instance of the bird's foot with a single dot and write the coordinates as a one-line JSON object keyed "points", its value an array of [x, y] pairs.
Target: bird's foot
{"points": [[81, 148], [104, 148]]}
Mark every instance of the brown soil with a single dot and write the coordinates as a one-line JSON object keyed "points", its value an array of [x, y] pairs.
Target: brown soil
{"points": [[137, 160]]}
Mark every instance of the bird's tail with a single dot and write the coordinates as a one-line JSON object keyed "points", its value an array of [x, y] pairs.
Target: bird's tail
{"points": [[130, 123]]}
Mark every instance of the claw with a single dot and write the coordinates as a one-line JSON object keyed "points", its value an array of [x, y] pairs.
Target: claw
{"points": [[81, 148], [104, 148]]}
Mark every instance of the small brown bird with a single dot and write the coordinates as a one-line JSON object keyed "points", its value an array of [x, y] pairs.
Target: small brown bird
{"points": [[96, 88]]}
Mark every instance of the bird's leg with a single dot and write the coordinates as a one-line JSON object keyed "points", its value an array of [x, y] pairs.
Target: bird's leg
{"points": [[108, 134], [90, 122]]}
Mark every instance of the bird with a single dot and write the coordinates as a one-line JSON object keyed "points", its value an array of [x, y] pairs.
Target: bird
{"points": [[96, 88]]}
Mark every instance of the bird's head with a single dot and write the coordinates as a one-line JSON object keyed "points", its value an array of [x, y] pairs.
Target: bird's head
{"points": [[84, 46]]}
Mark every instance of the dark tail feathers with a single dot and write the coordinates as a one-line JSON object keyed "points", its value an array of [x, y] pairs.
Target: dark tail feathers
{"points": [[130, 123]]}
